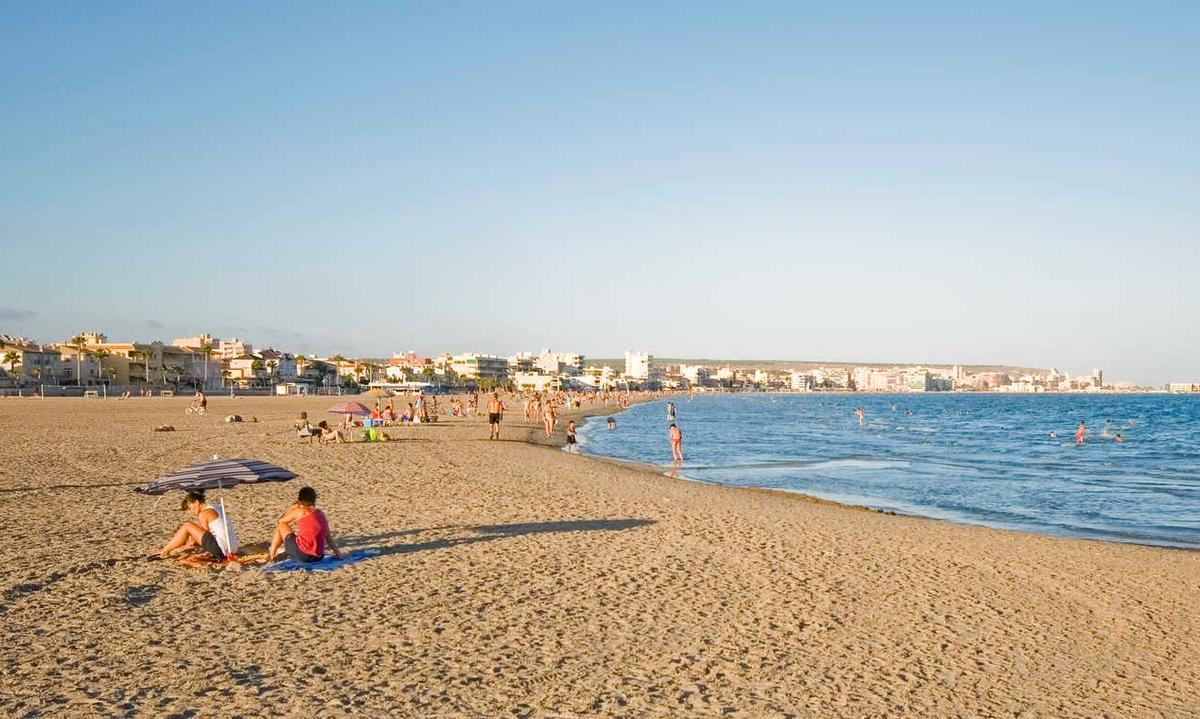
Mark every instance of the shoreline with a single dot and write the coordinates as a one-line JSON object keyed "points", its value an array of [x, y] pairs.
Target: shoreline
{"points": [[664, 472]]}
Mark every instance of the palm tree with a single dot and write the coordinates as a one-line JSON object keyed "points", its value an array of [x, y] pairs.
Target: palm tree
{"points": [[79, 343], [225, 376], [13, 360], [145, 356], [99, 354], [271, 365], [257, 365], [206, 347]]}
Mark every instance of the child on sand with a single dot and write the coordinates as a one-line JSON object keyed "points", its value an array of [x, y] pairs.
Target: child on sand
{"points": [[572, 446]]}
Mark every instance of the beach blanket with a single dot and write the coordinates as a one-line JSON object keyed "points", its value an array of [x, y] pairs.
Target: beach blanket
{"points": [[328, 564]]}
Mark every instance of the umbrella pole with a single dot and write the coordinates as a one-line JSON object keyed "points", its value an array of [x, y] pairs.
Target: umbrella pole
{"points": [[225, 521]]}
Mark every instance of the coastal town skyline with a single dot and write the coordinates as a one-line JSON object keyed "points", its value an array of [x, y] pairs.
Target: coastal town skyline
{"points": [[92, 360]]}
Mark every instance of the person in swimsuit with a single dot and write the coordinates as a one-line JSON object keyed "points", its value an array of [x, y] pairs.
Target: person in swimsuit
{"points": [[670, 411], [302, 531], [612, 423], [211, 530], [862, 416], [676, 436], [1080, 434], [572, 446], [495, 414]]}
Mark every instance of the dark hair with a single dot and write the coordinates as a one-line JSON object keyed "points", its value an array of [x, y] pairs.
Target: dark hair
{"points": [[307, 496], [191, 497], [304, 415]]}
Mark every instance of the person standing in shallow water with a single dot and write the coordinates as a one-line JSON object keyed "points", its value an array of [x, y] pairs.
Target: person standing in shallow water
{"points": [[676, 436], [1080, 434], [862, 416], [670, 412]]}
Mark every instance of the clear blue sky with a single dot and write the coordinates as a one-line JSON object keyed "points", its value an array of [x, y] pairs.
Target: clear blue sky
{"points": [[1017, 183]]}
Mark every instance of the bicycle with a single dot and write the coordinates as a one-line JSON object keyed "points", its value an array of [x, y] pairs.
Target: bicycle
{"points": [[193, 409]]}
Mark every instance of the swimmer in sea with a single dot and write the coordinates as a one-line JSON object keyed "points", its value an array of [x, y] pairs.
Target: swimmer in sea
{"points": [[1080, 434], [1118, 438], [1053, 434], [862, 416]]}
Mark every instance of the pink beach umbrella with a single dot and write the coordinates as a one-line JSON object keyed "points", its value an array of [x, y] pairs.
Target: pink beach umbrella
{"points": [[350, 408]]}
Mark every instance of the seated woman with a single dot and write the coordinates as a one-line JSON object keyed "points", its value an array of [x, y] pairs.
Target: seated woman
{"points": [[302, 531], [304, 428], [211, 530], [330, 434]]}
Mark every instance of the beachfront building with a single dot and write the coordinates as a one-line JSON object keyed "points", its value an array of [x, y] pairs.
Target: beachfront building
{"points": [[246, 370], [568, 363], [223, 349], [476, 366], [186, 365], [831, 377], [79, 366], [522, 362], [801, 381], [537, 382], [25, 360], [638, 364], [696, 375], [408, 367], [281, 366], [122, 363], [602, 377], [1183, 387]]}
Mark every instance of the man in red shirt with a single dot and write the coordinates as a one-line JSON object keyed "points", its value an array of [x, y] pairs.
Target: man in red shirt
{"points": [[302, 531]]}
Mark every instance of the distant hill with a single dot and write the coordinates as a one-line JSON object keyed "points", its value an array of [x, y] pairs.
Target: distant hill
{"points": [[803, 365]]}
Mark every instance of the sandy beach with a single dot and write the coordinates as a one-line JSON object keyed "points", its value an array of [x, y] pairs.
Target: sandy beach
{"points": [[512, 579]]}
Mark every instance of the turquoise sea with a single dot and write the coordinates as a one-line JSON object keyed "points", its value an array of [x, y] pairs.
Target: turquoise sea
{"points": [[977, 458]]}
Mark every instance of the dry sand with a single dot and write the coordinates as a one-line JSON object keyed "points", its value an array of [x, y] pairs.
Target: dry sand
{"points": [[515, 580]]}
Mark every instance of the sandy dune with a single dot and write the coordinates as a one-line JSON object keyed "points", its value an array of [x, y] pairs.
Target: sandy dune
{"points": [[508, 579]]}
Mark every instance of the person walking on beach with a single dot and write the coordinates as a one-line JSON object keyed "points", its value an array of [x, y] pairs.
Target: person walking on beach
{"points": [[676, 436], [1080, 434], [549, 418], [862, 416], [302, 531], [495, 414], [572, 446]]}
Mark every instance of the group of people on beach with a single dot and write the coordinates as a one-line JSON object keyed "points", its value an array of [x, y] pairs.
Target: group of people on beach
{"points": [[301, 532]]}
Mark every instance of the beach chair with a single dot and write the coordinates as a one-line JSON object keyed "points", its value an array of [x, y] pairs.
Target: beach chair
{"points": [[307, 431]]}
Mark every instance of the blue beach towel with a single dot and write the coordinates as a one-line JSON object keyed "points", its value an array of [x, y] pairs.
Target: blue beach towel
{"points": [[327, 564]]}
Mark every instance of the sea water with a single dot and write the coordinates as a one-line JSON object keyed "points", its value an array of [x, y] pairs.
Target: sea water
{"points": [[978, 458]]}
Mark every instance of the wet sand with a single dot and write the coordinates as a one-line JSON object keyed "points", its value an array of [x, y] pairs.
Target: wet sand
{"points": [[511, 579]]}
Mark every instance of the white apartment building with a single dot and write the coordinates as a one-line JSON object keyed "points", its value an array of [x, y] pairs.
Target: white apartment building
{"points": [[638, 364], [473, 365], [801, 381], [569, 363]]}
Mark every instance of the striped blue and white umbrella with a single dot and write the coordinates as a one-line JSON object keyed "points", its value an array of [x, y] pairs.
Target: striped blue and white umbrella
{"points": [[217, 474]]}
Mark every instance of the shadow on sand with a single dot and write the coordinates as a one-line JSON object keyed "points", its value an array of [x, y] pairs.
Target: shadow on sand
{"points": [[485, 533]]}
